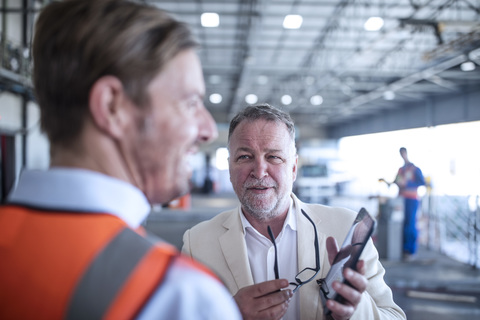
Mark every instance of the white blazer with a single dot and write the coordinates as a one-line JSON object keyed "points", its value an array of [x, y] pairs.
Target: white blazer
{"points": [[220, 244]]}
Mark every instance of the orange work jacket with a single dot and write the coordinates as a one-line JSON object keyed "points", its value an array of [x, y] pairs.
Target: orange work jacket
{"points": [[57, 265]]}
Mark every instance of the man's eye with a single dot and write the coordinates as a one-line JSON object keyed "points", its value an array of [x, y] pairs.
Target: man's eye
{"points": [[243, 157], [194, 102], [275, 159]]}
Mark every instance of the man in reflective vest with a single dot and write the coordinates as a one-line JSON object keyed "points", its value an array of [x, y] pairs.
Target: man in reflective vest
{"points": [[120, 88]]}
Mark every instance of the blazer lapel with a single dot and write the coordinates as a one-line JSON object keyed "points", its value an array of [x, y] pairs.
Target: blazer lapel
{"points": [[234, 250]]}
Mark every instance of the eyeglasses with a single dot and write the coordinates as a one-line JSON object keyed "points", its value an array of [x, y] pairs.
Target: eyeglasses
{"points": [[307, 274]]}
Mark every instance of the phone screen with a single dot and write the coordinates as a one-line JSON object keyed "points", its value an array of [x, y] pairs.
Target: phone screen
{"points": [[348, 255]]}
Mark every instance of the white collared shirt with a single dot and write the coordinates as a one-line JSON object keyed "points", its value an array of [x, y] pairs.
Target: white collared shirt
{"points": [[261, 255]]}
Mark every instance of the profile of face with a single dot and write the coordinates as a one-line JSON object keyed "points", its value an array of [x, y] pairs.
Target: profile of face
{"points": [[171, 129], [263, 167]]}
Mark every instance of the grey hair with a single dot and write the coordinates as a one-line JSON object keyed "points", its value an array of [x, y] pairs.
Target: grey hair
{"points": [[262, 111]]}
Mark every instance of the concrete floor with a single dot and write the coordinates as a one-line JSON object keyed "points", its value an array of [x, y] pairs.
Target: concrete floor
{"points": [[431, 287], [435, 287]]}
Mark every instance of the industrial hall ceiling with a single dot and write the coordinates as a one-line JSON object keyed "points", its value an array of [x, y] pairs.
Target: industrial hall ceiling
{"points": [[338, 62], [331, 70]]}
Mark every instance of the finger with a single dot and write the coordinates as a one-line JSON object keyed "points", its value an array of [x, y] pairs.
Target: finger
{"points": [[356, 279], [332, 249], [361, 267], [267, 287], [340, 311], [274, 301], [351, 297], [274, 312], [271, 303]]}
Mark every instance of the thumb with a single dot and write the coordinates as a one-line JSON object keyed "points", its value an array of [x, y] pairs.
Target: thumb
{"points": [[332, 249]]}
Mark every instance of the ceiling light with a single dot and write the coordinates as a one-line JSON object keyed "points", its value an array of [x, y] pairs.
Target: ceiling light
{"points": [[389, 95], [467, 66], [292, 21], [251, 98], [210, 20], [316, 100], [215, 98], [286, 100], [373, 24]]}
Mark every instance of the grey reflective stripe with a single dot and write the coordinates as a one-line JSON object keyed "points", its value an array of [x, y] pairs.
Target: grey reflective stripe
{"points": [[106, 275]]}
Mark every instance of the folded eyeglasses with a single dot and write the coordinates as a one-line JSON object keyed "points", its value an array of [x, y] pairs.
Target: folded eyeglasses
{"points": [[307, 274]]}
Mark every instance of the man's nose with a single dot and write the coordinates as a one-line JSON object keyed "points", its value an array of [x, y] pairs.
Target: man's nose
{"points": [[207, 127], [260, 168]]}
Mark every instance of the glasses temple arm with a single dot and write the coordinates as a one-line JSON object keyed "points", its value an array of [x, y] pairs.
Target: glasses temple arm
{"points": [[275, 266], [317, 254]]}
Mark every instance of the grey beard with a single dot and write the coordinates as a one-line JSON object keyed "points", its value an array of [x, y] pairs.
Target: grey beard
{"points": [[259, 212]]}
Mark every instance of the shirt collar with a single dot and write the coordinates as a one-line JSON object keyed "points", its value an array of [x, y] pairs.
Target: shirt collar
{"points": [[81, 190]]}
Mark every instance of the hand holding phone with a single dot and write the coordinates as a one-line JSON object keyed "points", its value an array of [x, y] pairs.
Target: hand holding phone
{"points": [[347, 256]]}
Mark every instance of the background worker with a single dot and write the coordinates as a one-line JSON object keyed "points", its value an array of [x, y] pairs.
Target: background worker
{"points": [[409, 177], [120, 91]]}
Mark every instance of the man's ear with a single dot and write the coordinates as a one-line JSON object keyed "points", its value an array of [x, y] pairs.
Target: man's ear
{"points": [[107, 104], [295, 168], [229, 168]]}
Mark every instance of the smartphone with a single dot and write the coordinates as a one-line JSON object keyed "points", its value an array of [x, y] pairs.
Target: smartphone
{"points": [[348, 255]]}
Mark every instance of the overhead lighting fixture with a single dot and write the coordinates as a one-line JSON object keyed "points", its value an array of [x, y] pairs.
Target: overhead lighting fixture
{"points": [[467, 66], [215, 98], [210, 20], [316, 100], [251, 98], [292, 21], [389, 95], [373, 24], [286, 100]]}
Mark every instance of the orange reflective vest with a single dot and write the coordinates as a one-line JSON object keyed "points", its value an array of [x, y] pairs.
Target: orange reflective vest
{"points": [[56, 265]]}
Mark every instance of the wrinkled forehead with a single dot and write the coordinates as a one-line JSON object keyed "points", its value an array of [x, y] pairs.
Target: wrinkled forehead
{"points": [[249, 129]]}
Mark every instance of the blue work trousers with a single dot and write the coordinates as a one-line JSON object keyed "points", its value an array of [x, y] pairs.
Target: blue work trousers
{"points": [[410, 232]]}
